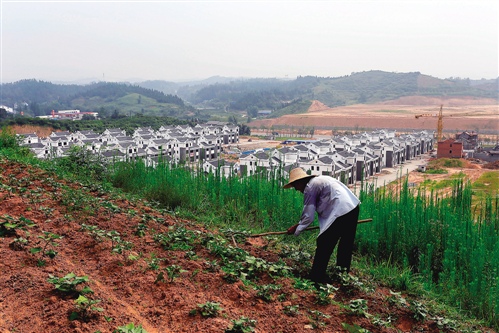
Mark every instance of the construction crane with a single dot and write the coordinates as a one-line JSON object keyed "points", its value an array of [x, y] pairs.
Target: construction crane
{"points": [[440, 122]]}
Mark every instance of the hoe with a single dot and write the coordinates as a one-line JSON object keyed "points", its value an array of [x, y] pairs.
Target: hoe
{"points": [[309, 228]]}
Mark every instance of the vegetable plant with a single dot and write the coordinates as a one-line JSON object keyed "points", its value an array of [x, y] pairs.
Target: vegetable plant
{"points": [[358, 307], [9, 224], [242, 325], [265, 291], [68, 284], [48, 241], [325, 294], [291, 310], [209, 309], [130, 328], [85, 307]]}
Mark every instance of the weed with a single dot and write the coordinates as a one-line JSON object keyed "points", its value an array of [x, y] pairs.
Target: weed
{"points": [[242, 325]]}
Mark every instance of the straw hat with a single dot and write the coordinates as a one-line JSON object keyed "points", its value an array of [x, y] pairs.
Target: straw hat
{"points": [[296, 174]]}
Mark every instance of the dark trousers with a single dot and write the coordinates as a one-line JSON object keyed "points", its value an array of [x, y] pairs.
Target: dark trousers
{"points": [[343, 229]]}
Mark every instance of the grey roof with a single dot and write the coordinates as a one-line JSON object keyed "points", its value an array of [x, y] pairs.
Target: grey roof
{"points": [[262, 155], [326, 160]]}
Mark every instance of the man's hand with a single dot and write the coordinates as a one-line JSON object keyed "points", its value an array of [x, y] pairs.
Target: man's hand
{"points": [[291, 230]]}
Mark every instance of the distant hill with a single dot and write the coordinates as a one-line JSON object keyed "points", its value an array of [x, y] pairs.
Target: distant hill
{"points": [[363, 87], [165, 98], [40, 98]]}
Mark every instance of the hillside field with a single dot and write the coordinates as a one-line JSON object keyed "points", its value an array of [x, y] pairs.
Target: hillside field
{"points": [[148, 267]]}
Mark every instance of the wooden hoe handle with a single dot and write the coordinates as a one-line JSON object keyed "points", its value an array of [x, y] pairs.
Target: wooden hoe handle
{"points": [[285, 232]]}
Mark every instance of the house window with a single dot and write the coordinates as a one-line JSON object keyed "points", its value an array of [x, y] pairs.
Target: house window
{"points": [[317, 168], [312, 168], [450, 151]]}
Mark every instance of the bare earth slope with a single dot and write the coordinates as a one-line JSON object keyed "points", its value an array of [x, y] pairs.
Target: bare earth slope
{"points": [[460, 114], [128, 286]]}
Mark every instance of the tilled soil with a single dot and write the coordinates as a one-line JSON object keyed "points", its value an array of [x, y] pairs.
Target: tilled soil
{"points": [[129, 290]]}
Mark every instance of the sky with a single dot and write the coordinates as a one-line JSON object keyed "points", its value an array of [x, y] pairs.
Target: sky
{"points": [[67, 41]]}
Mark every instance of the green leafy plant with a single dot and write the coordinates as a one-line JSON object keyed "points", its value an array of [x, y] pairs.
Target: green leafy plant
{"points": [[397, 299], [325, 294], [9, 224], [130, 328], [153, 262], [85, 307], [94, 231], [68, 284], [141, 229], [291, 310], [47, 240], [303, 284], [350, 282], [242, 325], [173, 272], [358, 307], [209, 309], [265, 292], [354, 328], [419, 310], [19, 243], [316, 318]]}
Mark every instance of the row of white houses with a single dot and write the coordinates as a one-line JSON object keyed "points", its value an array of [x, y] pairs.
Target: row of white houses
{"points": [[175, 143], [347, 158]]}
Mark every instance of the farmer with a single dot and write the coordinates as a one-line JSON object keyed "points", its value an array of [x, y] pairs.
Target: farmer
{"points": [[337, 209]]}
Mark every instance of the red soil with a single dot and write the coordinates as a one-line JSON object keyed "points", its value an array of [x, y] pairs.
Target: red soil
{"points": [[127, 288]]}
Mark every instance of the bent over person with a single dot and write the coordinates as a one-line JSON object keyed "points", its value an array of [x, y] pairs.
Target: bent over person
{"points": [[338, 211]]}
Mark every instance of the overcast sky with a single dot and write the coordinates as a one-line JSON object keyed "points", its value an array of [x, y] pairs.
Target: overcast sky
{"points": [[185, 40]]}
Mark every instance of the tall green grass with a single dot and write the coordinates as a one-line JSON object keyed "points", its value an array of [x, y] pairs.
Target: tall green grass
{"points": [[453, 247], [258, 202]]}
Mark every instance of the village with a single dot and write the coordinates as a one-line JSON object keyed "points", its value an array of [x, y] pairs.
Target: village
{"points": [[214, 147]]}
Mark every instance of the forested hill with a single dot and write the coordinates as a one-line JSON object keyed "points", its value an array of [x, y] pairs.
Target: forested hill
{"points": [[40, 98], [163, 98], [362, 87]]}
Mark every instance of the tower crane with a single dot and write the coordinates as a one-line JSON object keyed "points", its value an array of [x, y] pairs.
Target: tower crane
{"points": [[440, 122]]}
